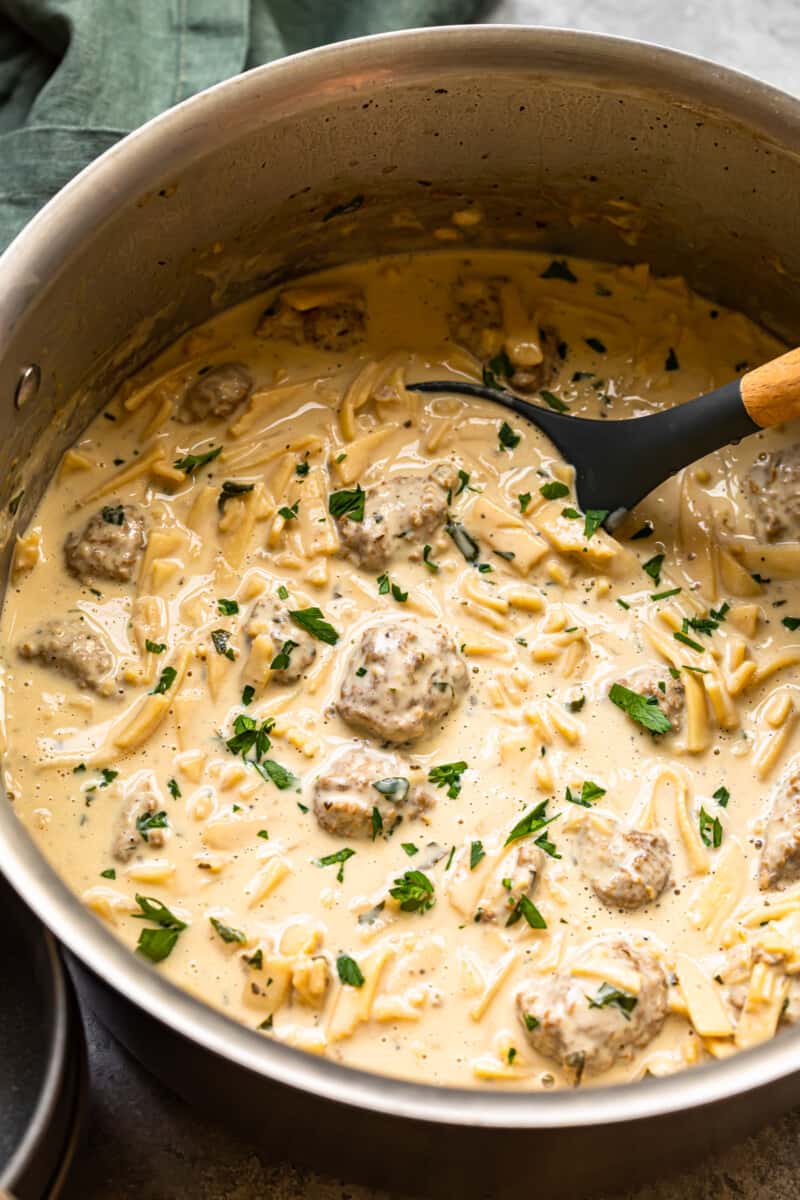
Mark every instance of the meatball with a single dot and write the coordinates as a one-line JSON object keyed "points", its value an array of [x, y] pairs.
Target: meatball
{"points": [[627, 868], [480, 321], [659, 685], [109, 546], [772, 490], [581, 1027], [357, 780], [400, 515], [780, 857], [400, 679], [328, 323], [271, 617], [216, 394], [71, 646], [514, 878], [142, 800]]}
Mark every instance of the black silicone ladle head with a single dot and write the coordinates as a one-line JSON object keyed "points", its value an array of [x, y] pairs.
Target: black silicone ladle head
{"points": [[618, 463]]}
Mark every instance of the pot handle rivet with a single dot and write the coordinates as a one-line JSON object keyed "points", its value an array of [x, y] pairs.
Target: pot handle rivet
{"points": [[30, 378]]}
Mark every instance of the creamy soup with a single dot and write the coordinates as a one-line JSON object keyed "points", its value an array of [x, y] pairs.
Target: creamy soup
{"points": [[326, 698]]}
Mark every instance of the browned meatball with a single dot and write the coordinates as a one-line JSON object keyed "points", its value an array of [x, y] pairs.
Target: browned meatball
{"points": [[583, 1027], [142, 799], [271, 616], [477, 322], [400, 515], [627, 868], [514, 878], [70, 645], [772, 489], [355, 782], [400, 679], [658, 684], [780, 857], [337, 325], [216, 394], [109, 546]]}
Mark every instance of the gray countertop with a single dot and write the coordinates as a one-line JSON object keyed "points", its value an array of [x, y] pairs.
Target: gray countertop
{"points": [[145, 1143]]}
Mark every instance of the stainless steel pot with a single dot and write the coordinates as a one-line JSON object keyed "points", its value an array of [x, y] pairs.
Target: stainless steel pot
{"points": [[571, 142]]}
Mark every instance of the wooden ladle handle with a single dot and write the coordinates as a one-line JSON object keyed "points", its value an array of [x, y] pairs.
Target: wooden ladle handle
{"points": [[771, 392]]}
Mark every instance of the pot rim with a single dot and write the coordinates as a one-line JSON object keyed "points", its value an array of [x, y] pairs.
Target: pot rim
{"points": [[44, 247]]}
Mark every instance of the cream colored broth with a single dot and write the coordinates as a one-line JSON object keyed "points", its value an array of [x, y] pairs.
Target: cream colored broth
{"points": [[543, 636]]}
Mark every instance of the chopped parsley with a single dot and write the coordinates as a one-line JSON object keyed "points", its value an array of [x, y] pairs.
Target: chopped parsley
{"points": [[231, 489], [524, 500], [647, 530], [448, 775], [671, 363], [228, 608], [157, 944], [413, 891], [559, 269], [248, 693], [552, 491], [313, 622], [249, 735], [465, 543], [349, 971], [302, 469], [653, 567], [722, 796], [289, 514], [607, 996], [113, 514], [530, 1022], [385, 585], [509, 440], [553, 401], [791, 623], [154, 647], [410, 848], [645, 710], [109, 873], [147, 822], [476, 853], [165, 681], [577, 704], [497, 369], [595, 344], [426, 558], [173, 789], [227, 932], [340, 857], [347, 503], [593, 519], [283, 593], [687, 641], [193, 462], [588, 794], [220, 639], [395, 788], [527, 909], [665, 595], [377, 822], [531, 823], [710, 829], [282, 659], [282, 777]]}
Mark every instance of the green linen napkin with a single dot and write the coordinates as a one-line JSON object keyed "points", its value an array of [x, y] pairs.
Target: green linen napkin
{"points": [[77, 75]]}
